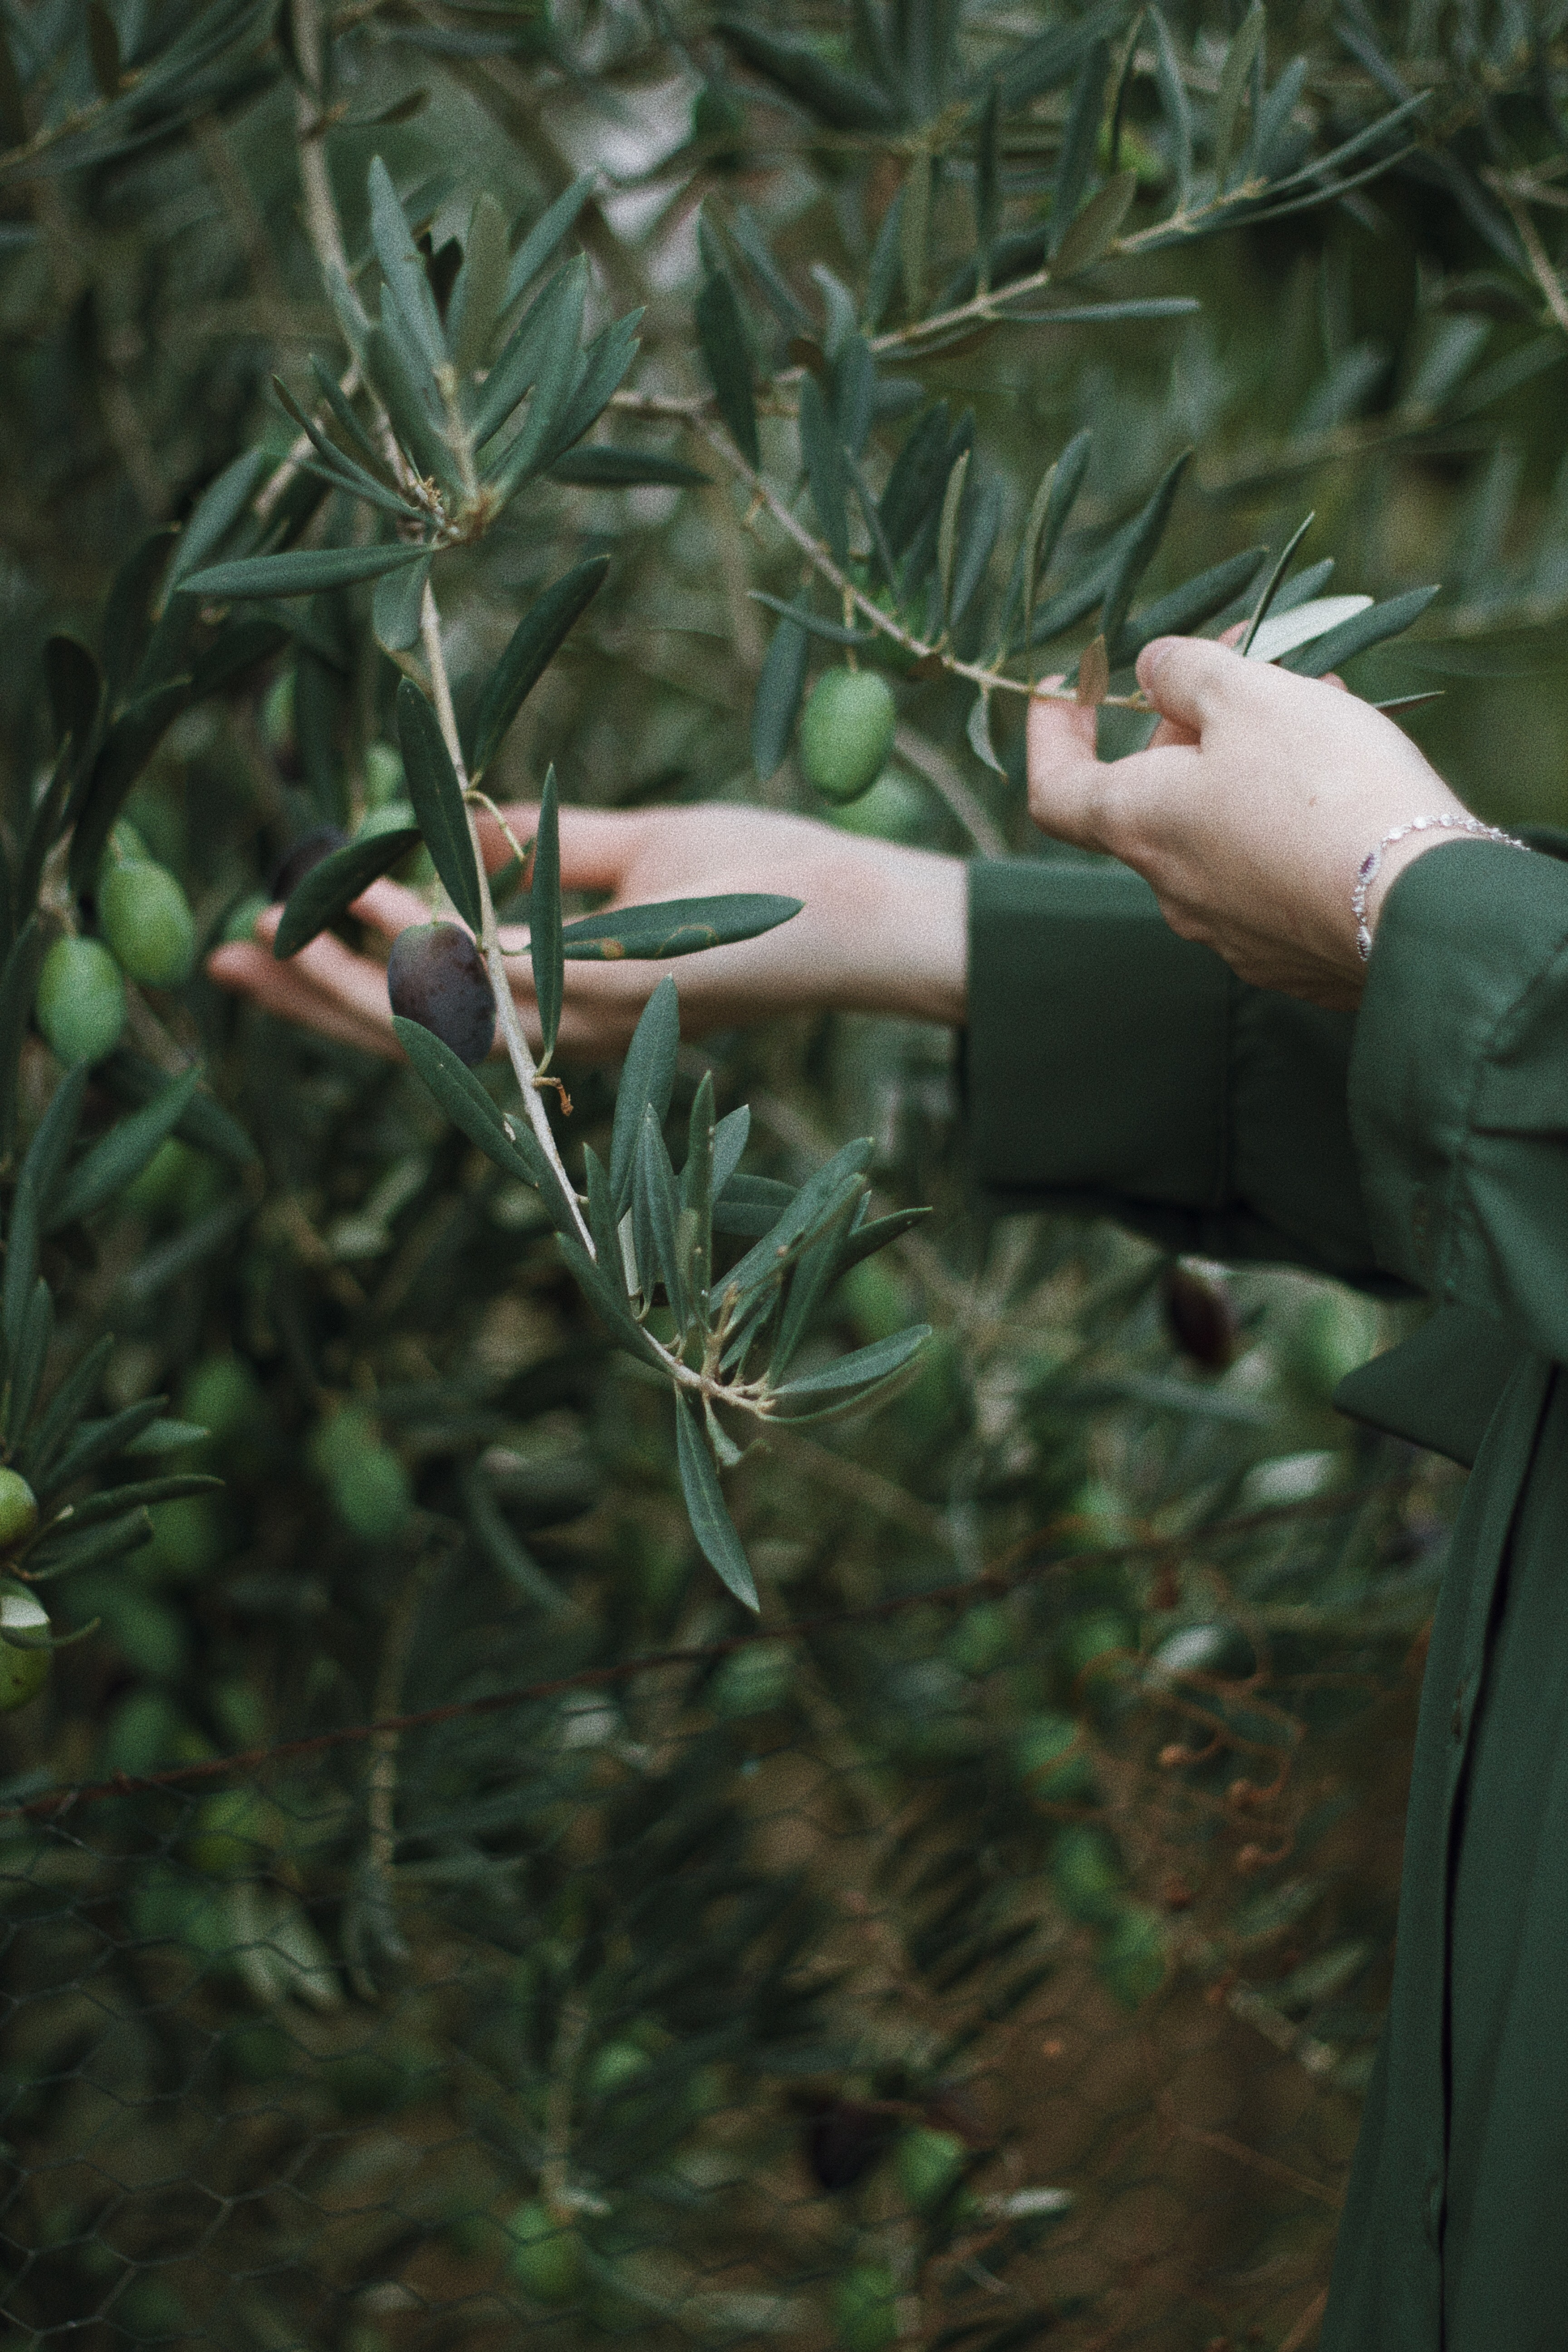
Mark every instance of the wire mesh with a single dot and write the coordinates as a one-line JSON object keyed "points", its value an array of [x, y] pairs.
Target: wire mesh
{"points": [[666, 2001]]}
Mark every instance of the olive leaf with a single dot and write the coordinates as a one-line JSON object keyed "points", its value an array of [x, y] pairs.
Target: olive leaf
{"points": [[977, 728], [779, 690], [727, 357], [1354, 635], [438, 801], [397, 606], [533, 644], [859, 1370], [1245, 43], [674, 927], [300, 572], [330, 888], [103, 1173], [711, 1521], [478, 291], [544, 917], [508, 1141], [1139, 546], [1086, 110], [648, 1081], [1272, 585], [1092, 235], [402, 268], [549, 232], [826, 472]]}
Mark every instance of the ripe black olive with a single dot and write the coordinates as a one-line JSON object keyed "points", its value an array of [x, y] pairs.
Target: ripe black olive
{"points": [[302, 856], [435, 975], [1201, 1318], [843, 2140]]}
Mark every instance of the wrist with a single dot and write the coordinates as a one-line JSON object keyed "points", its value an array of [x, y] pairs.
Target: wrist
{"points": [[1400, 847]]}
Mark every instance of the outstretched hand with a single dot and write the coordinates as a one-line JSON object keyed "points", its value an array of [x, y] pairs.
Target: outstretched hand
{"points": [[1250, 811], [881, 929]]}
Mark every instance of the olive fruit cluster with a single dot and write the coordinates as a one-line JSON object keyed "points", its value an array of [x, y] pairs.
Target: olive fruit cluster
{"points": [[149, 935], [436, 975], [22, 1671], [846, 732]]}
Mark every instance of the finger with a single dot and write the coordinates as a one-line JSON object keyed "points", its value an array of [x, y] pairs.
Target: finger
{"points": [[596, 844], [1064, 772], [283, 990], [389, 908], [1186, 678]]}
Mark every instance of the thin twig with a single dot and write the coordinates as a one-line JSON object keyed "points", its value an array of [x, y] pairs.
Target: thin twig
{"points": [[1546, 278]]}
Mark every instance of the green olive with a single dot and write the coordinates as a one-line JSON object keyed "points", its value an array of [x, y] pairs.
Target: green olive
{"points": [[1130, 1962], [80, 1004], [18, 1510], [1086, 1874], [370, 1494], [222, 1395], [23, 1672], [148, 922], [846, 732], [547, 2260], [866, 2309], [239, 923]]}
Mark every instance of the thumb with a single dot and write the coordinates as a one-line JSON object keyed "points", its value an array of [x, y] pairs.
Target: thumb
{"points": [[1186, 678], [1064, 772]]}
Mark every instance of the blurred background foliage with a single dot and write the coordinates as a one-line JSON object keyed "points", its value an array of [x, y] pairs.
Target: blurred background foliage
{"points": [[990, 1951]]}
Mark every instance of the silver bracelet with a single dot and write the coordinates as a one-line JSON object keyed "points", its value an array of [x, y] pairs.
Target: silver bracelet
{"points": [[1367, 872]]}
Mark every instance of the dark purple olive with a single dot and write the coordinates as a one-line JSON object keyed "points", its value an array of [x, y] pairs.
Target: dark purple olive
{"points": [[435, 975], [302, 858], [1201, 1318], [843, 2141]]}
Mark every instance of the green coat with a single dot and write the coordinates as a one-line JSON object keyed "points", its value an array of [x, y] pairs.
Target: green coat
{"points": [[1421, 1143]]}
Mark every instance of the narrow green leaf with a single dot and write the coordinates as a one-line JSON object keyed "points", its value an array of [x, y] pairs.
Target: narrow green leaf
{"points": [[99, 1441], [536, 639], [874, 1233], [604, 364], [35, 1187], [988, 176], [675, 927], [696, 1194], [214, 514], [882, 271], [544, 917], [18, 986], [505, 1139], [623, 470], [729, 1143], [398, 605], [914, 230], [129, 611], [402, 266], [76, 693], [656, 1205], [1389, 619], [727, 357], [103, 51], [142, 1493], [816, 625], [330, 888], [438, 801], [817, 1199], [947, 531], [1123, 84], [44, 827], [979, 528], [1080, 140], [59, 1417], [977, 729], [1140, 547], [545, 238], [710, 1522], [1244, 45], [94, 1548], [494, 1534], [26, 1371], [845, 101], [103, 1173], [396, 369], [1094, 231], [12, 106], [648, 1080], [1186, 608], [859, 1368], [124, 752], [779, 689], [555, 376], [343, 472], [746, 233], [750, 1206], [349, 424], [815, 1272], [1272, 587], [919, 475], [825, 471], [301, 572], [517, 368], [1175, 107]]}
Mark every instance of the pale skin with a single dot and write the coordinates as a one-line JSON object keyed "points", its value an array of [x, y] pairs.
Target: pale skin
{"points": [[1249, 814]]}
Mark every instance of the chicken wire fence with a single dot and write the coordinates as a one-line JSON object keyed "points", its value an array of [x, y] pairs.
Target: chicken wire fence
{"points": [[669, 2000]]}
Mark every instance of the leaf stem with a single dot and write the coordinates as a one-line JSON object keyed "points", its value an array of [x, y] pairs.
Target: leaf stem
{"points": [[524, 1069]]}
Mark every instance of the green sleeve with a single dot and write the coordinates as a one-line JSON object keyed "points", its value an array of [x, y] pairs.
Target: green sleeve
{"points": [[1113, 1067], [1458, 1084]]}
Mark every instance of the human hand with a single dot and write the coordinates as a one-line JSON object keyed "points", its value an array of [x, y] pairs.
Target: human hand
{"points": [[881, 929], [1251, 812]]}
